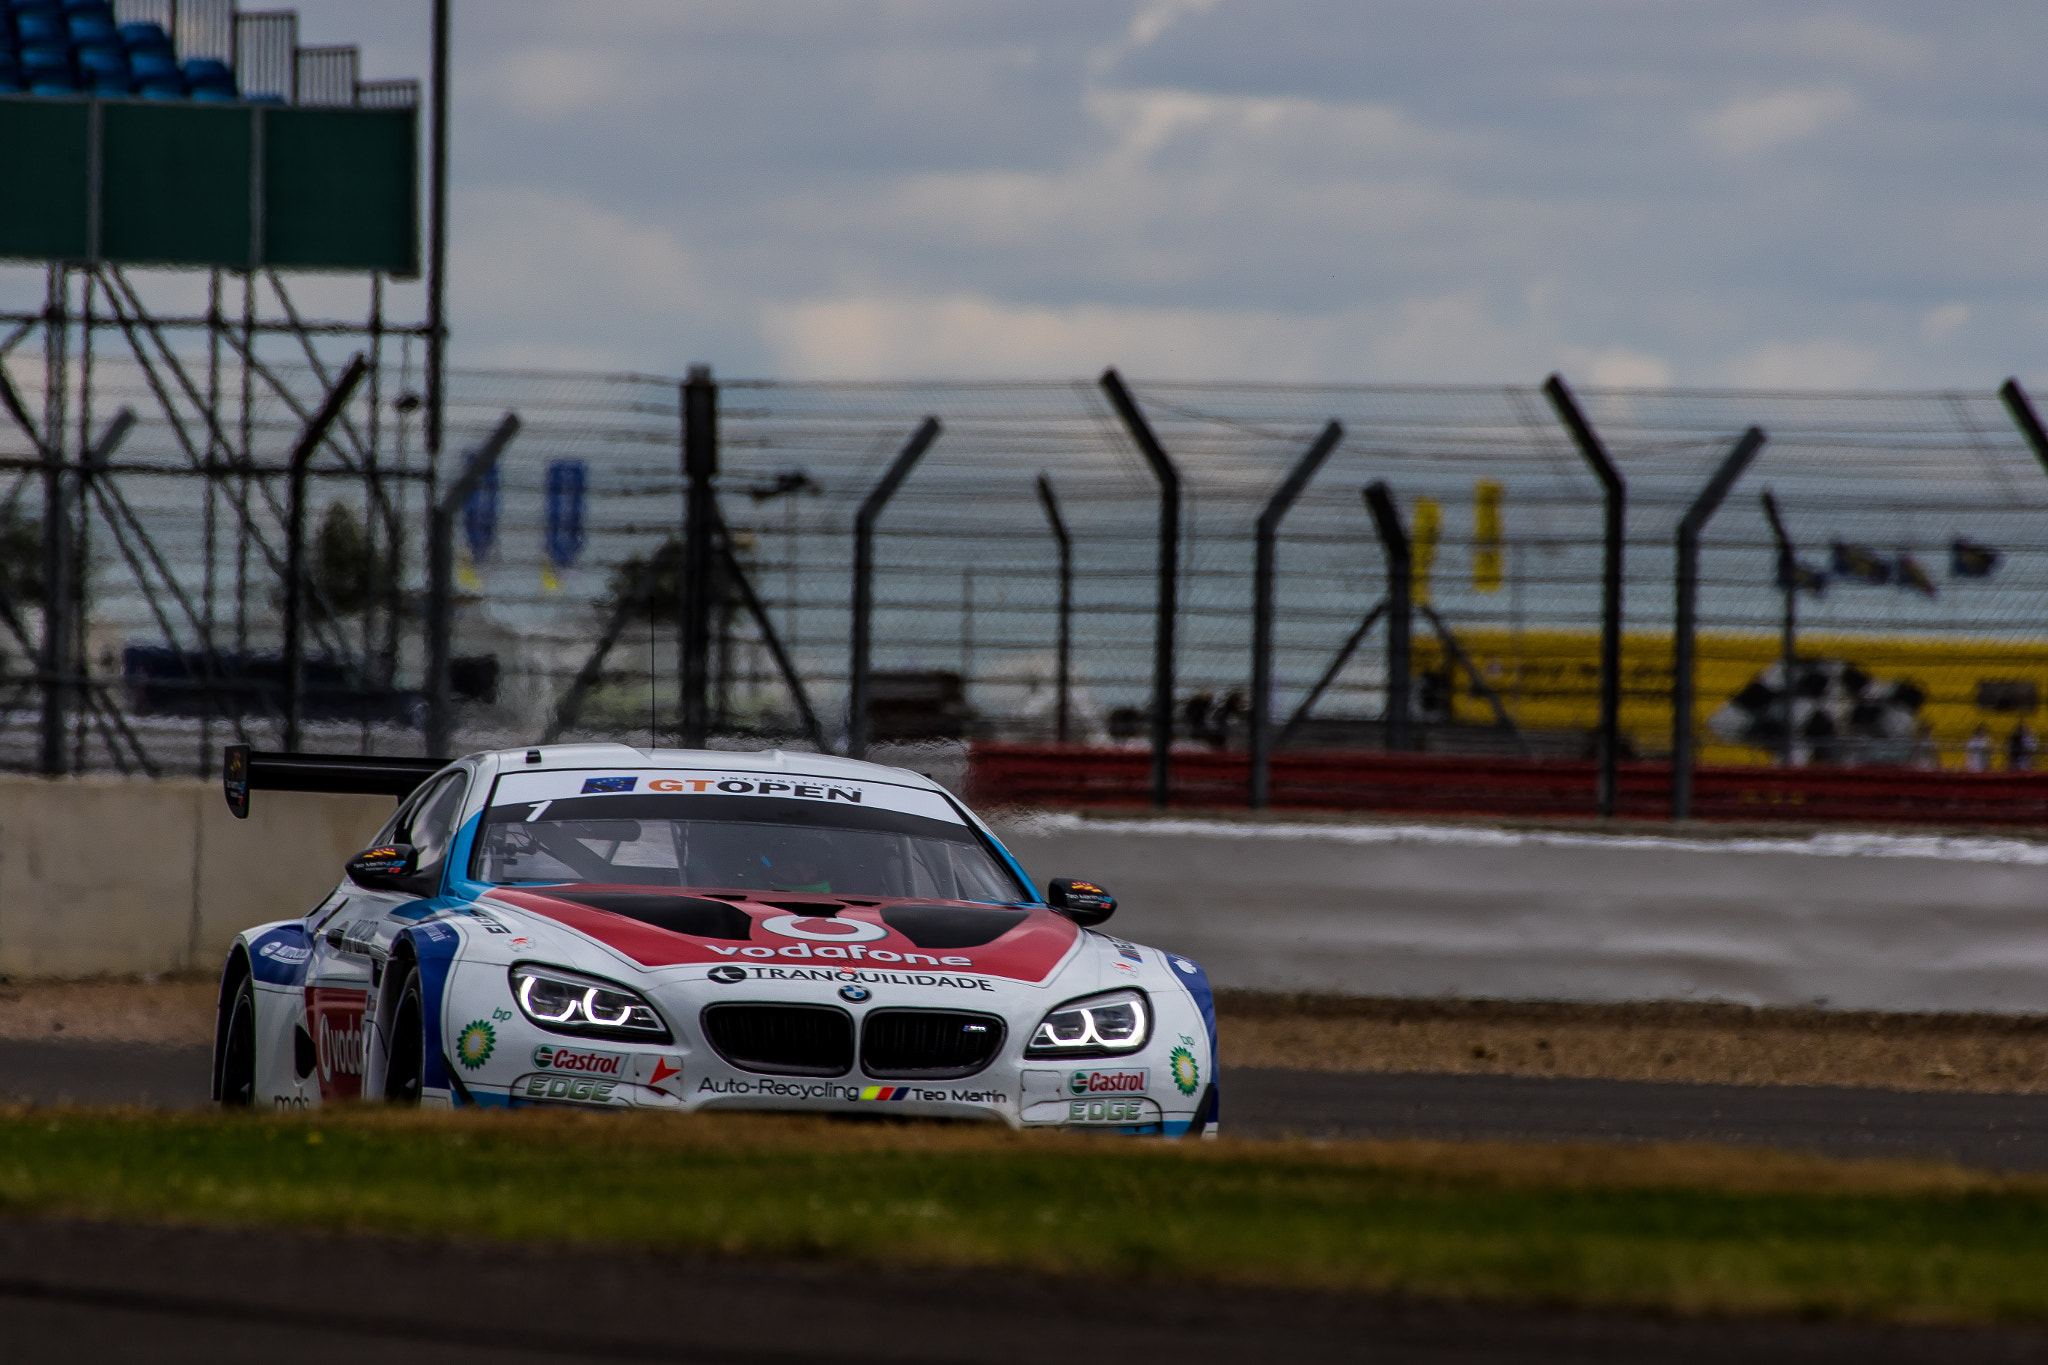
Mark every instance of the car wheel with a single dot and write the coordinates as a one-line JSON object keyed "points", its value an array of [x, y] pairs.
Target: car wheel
{"points": [[408, 1069], [238, 1059]]}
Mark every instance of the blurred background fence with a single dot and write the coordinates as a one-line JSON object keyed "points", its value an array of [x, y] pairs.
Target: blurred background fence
{"points": [[1917, 525]]}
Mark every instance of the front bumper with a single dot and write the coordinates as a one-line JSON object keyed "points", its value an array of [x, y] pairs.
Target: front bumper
{"points": [[1165, 1089]]}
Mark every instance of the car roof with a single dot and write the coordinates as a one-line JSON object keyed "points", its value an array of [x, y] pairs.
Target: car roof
{"points": [[559, 756]]}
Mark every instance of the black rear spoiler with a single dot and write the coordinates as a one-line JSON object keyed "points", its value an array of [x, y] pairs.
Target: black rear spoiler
{"points": [[244, 770]]}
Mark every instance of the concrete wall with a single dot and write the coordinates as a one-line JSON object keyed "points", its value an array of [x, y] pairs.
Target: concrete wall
{"points": [[111, 876], [1845, 921], [107, 875]]}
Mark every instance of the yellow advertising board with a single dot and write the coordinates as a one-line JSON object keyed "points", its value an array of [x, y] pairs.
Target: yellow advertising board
{"points": [[1549, 680]]}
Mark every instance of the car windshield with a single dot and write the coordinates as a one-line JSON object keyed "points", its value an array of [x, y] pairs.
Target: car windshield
{"points": [[739, 844]]}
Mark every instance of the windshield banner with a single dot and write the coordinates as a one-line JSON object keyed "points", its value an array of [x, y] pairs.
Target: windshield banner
{"points": [[520, 789]]}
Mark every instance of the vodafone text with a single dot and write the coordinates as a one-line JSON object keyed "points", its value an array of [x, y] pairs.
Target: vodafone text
{"points": [[852, 951]]}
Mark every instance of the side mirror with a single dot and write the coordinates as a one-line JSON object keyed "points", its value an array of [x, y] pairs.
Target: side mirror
{"points": [[382, 868], [1084, 903]]}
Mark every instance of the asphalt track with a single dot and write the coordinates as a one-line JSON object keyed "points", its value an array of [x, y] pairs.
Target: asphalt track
{"points": [[1995, 1132], [81, 1291], [77, 1291]]}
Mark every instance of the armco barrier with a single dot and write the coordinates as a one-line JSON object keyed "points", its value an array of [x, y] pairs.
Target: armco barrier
{"points": [[1908, 922], [1437, 784]]}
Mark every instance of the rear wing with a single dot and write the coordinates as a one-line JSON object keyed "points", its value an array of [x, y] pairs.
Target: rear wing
{"points": [[245, 770]]}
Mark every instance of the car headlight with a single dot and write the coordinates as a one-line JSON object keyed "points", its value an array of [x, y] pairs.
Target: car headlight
{"points": [[570, 1002], [1097, 1026]]}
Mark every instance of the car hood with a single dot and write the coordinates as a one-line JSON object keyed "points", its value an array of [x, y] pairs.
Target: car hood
{"points": [[662, 927]]}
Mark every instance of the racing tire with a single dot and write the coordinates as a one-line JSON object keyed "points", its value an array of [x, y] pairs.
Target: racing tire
{"points": [[407, 1072], [238, 1055]]}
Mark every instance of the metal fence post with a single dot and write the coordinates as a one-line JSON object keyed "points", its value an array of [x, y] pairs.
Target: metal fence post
{"points": [[1683, 626], [1386, 520], [441, 582], [2022, 409], [700, 466], [864, 579], [1788, 632], [1283, 498], [1062, 697], [1168, 607], [1612, 546], [314, 432]]}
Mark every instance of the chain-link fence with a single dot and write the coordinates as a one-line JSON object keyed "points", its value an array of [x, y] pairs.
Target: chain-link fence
{"points": [[1918, 578]]}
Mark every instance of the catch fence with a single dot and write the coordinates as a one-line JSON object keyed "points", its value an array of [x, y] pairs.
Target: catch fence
{"points": [[1916, 554]]}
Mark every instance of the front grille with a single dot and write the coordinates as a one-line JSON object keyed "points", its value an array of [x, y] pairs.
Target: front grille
{"points": [[782, 1040], [934, 1045]]}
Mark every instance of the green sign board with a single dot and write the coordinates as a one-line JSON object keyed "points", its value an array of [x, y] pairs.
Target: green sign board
{"points": [[237, 186]]}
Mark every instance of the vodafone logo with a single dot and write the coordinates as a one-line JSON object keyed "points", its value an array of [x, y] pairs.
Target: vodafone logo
{"points": [[829, 930], [339, 1049]]}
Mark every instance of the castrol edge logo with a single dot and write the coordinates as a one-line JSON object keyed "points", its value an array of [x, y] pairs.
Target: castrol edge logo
{"points": [[550, 1058], [1106, 1082]]}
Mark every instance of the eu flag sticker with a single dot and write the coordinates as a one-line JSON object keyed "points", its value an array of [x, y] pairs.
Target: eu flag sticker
{"points": [[608, 784]]}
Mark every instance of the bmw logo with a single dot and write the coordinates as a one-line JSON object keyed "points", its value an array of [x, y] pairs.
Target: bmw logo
{"points": [[854, 994], [728, 974]]}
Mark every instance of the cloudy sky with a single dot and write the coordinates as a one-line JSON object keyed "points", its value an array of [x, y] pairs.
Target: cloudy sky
{"points": [[1775, 193]]}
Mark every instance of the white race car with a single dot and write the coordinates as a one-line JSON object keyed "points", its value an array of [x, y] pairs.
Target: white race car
{"points": [[607, 926]]}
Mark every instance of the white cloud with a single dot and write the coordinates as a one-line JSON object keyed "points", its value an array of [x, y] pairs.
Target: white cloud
{"points": [[547, 82], [1940, 324], [964, 335], [1838, 38], [1744, 127], [1818, 364], [1452, 338], [1618, 367], [530, 268], [1150, 21]]}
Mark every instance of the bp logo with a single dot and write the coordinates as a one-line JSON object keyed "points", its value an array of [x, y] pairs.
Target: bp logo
{"points": [[473, 1046], [1187, 1072]]}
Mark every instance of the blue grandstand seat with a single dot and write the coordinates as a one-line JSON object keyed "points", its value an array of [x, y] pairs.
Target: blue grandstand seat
{"points": [[112, 88], [92, 28], [145, 35], [41, 61], [94, 7], [103, 63], [162, 90], [208, 71], [152, 64], [215, 94], [50, 87], [9, 85], [40, 26]]}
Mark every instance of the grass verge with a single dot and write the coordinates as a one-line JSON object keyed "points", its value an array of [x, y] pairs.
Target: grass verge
{"points": [[1685, 1229], [1682, 1042]]}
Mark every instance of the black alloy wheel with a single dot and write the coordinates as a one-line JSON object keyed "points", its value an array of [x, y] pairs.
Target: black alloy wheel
{"points": [[238, 1059], [408, 1069]]}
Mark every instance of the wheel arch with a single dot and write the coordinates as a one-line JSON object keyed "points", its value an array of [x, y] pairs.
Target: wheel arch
{"points": [[233, 973]]}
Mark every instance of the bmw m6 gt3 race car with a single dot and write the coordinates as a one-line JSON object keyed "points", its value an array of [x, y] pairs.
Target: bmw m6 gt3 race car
{"points": [[605, 926]]}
